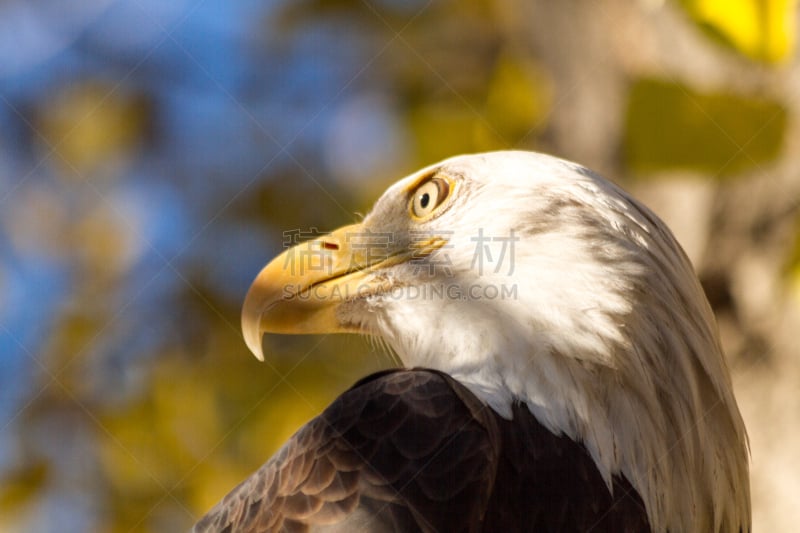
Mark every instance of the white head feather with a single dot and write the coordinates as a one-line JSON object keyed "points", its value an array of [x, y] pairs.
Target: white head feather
{"points": [[596, 321]]}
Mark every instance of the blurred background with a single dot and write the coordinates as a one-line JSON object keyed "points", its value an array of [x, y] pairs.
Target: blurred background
{"points": [[152, 155]]}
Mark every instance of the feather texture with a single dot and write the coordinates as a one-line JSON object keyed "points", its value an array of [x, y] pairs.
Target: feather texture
{"points": [[413, 450]]}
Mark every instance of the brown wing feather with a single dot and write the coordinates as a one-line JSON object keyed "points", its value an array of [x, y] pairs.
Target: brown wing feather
{"points": [[400, 451], [414, 450], [548, 482]]}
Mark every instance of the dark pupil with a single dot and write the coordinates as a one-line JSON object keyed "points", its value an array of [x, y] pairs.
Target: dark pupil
{"points": [[424, 200]]}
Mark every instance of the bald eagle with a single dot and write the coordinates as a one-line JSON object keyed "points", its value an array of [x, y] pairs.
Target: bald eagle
{"points": [[563, 368]]}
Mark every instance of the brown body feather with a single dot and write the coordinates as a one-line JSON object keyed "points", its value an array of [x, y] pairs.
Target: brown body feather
{"points": [[414, 450]]}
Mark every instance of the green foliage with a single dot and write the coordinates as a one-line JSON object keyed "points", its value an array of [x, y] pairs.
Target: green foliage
{"points": [[508, 109], [672, 126]]}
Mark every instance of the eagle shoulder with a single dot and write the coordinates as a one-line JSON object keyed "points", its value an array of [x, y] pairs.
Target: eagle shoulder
{"points": [[402, 450], [415, 450]]}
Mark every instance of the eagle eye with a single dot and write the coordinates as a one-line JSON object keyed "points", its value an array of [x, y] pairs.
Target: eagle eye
{"points": [[428, 196]]}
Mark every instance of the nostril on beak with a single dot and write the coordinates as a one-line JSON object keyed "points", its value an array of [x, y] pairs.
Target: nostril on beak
{"points": [[330, 245]]}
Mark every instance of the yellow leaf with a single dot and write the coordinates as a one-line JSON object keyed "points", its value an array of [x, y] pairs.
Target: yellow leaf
{"points": [[23, 485], [793, 265], [518, 101], [92, 124], [761, 29], [442, 128]]}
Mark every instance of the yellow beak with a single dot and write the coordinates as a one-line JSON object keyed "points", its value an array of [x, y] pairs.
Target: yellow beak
{"points": [[300, 290]]}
